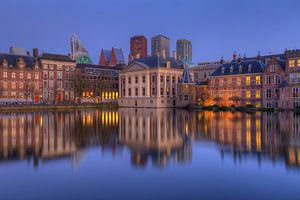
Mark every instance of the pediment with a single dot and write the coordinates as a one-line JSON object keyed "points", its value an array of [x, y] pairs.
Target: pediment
{"points": [[136, 66]]}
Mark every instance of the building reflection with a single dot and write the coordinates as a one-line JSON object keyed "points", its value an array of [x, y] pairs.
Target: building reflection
{"points": [[44, 136], [153, 134]]}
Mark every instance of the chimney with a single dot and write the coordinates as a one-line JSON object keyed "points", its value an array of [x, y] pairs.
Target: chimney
{"points": [[258, 56], [175, 55], [222, 60], [234, 56], [163, 54], [35, 52]]}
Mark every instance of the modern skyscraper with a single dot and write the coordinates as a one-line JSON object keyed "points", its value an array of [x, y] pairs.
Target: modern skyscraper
{"points": [[79, 52], [184, 50], [138, 47], [160, 45]]}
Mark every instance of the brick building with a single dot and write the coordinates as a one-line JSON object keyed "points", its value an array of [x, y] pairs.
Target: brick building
{"points": [[138, 47], [95, 84], [20, 79], [58, 78], [238, 82]]}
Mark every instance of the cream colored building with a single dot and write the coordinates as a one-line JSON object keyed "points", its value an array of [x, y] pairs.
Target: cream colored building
{"points": [[150, 82], [204, 69]]}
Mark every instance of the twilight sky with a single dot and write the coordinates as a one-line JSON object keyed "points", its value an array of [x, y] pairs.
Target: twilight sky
{"points": [[215, 27]]}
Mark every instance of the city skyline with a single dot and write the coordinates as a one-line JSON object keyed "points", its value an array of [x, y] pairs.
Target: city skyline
{"points": [[215, 28]]}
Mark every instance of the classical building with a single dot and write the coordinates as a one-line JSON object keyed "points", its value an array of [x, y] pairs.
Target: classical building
{"points": [[238, 82], [138, 47], [184, 50], [20, 79], [160, 45], [95, 84], [58, 78], [113, 57], [150, 82]]}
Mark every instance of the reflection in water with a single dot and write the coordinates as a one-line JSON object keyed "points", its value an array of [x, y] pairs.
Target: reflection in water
{"points": [[161, 136]]}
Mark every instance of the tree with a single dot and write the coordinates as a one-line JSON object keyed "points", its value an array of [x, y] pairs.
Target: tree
{"points": [[218, 100], [235, 99], [28, 91], [204, 97]]}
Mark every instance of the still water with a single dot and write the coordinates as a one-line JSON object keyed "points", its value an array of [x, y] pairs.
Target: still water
{"points": [[149, 154]]}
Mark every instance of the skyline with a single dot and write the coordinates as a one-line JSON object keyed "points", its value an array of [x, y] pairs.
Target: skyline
{"points": [[101, 24]]}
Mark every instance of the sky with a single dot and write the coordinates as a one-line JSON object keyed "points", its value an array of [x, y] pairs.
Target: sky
{"points": [[215, 27]]}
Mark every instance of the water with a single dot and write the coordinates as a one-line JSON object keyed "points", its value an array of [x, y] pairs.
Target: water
{"points": [[149, 154]]}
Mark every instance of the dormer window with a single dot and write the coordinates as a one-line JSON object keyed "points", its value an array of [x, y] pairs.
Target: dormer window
{"points": [[240, 68], [168, 64], [223, 70], [231, 69], [249, 68], [4, 63], [272, 68]]}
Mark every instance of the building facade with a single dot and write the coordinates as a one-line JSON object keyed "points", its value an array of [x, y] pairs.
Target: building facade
{"points": [[150, 82], [238, 83], [184, 50], [95, 84], [160, 45], [58, 73], [138, 47], [20, 79]]}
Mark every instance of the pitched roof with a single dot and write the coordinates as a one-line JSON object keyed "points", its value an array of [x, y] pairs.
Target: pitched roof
{"points": [[243, 67], [186, 76], [13, 59], [56, 57], [284, 83], [119, 56], [158, 61]]}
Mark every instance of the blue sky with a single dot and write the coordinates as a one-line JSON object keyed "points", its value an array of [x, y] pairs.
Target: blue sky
{"points": [[215, 27]]}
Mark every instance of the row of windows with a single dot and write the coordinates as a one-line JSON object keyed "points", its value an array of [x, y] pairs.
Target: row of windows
{"points": [[294, 63], [236, 81], [21, 86], [21, 75], [153, 79], [248, 94], [59, 67]]}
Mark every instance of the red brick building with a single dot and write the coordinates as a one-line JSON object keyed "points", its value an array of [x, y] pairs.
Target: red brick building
{"points": [[138, 47], [20, 79], [58, 78]]}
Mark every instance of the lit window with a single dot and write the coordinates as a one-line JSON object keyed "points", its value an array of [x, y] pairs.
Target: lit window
{"points": [[248, 80], [292, 63], [21, 75], [257, 94], [248, 94], [257, 80], [13, 75], [238, 81], [298, 63], [295, 92], [4, 74]]}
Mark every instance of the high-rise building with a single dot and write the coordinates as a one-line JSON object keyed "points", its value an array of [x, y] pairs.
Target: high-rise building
{"points": [[79, 52], [160, 45], [138, 47], [184, 49]]}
